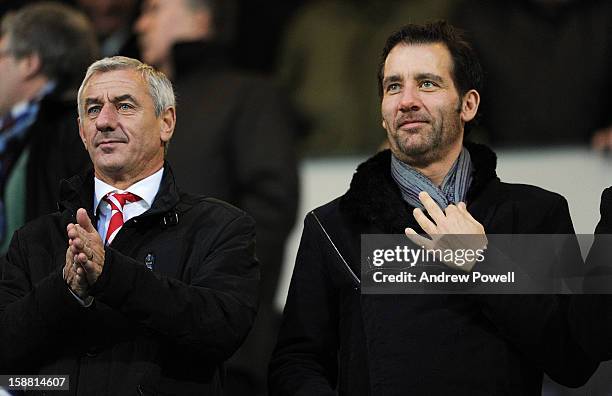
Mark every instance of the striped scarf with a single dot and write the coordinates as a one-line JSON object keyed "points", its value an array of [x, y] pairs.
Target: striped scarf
{"points": [[453, 189]]}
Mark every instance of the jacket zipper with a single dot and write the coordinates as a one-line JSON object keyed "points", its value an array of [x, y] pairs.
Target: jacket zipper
{"points": [[355, 279]]}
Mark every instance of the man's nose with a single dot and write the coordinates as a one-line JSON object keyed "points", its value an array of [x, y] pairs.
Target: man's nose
{"points": [[107, 119], [410, 99]]}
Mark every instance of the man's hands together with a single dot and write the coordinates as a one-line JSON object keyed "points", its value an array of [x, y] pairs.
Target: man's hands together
{"points": [[84, 256], [454, 228]]}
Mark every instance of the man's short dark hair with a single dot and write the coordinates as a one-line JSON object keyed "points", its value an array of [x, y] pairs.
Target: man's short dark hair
{"points": [[466, 69], [61, 36]]}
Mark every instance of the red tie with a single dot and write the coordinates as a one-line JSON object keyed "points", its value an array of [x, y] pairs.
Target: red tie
{"points": [[117, 201]]}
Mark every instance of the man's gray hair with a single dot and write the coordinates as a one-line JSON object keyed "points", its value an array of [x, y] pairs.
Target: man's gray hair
{"points": [[160, 88], [61, 36]]}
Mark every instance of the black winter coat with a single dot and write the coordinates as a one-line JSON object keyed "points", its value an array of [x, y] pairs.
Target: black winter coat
{"points": [[165, 331], [334, 340], [235, 141]]}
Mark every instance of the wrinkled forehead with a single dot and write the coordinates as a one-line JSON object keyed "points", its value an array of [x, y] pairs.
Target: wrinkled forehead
{"points": [[115, 79], [105, 85], [419, 58]]}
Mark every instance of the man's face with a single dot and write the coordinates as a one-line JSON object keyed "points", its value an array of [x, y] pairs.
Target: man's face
{"points": [[118, 126], [420, 105], [10, 78], [162, 24]]}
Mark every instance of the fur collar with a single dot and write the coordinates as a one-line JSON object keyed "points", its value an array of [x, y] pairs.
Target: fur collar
{"points": [[374, 197]]}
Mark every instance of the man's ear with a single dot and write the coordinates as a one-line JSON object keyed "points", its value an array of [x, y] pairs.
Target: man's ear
{"points": [[384, 123], [30, 65], [469, 105], [167, 124]]}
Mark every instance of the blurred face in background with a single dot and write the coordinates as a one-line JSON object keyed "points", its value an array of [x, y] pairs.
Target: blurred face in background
{"points": [[10, 78], [109, 16], [163, 23]]}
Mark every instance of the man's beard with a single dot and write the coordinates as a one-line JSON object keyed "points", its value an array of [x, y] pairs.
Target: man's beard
{"points": [[434, 144]]}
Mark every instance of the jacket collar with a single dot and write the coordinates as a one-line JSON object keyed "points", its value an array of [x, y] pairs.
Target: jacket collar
{"points": [[77, 192], [374, 197]]}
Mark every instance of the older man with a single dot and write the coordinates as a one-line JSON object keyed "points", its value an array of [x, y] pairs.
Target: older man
{"points": [[335, 340], [44, 52], [132, 286]]}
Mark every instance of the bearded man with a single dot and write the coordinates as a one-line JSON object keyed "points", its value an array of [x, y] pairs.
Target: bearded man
{"points": [[336, 340]]}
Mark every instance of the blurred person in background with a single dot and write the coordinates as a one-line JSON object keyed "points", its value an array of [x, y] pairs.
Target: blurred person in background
{"points": [[234, 141], [261, 31], [548, 68], [44, 51], [112, 20]]}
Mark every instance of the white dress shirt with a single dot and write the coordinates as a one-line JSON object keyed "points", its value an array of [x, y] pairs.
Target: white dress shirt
{"points": [[146, 189]]}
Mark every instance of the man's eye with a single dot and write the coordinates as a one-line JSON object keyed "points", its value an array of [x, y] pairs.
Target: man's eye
{"points": [[93, 110], [428, 84], [124, 106], [394, 87]]}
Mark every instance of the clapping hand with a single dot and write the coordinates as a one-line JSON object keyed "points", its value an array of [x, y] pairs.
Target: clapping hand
{"points": [[86, 248]]}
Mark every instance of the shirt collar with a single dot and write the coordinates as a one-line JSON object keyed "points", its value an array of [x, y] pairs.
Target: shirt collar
{"points": [[146, 189]]}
